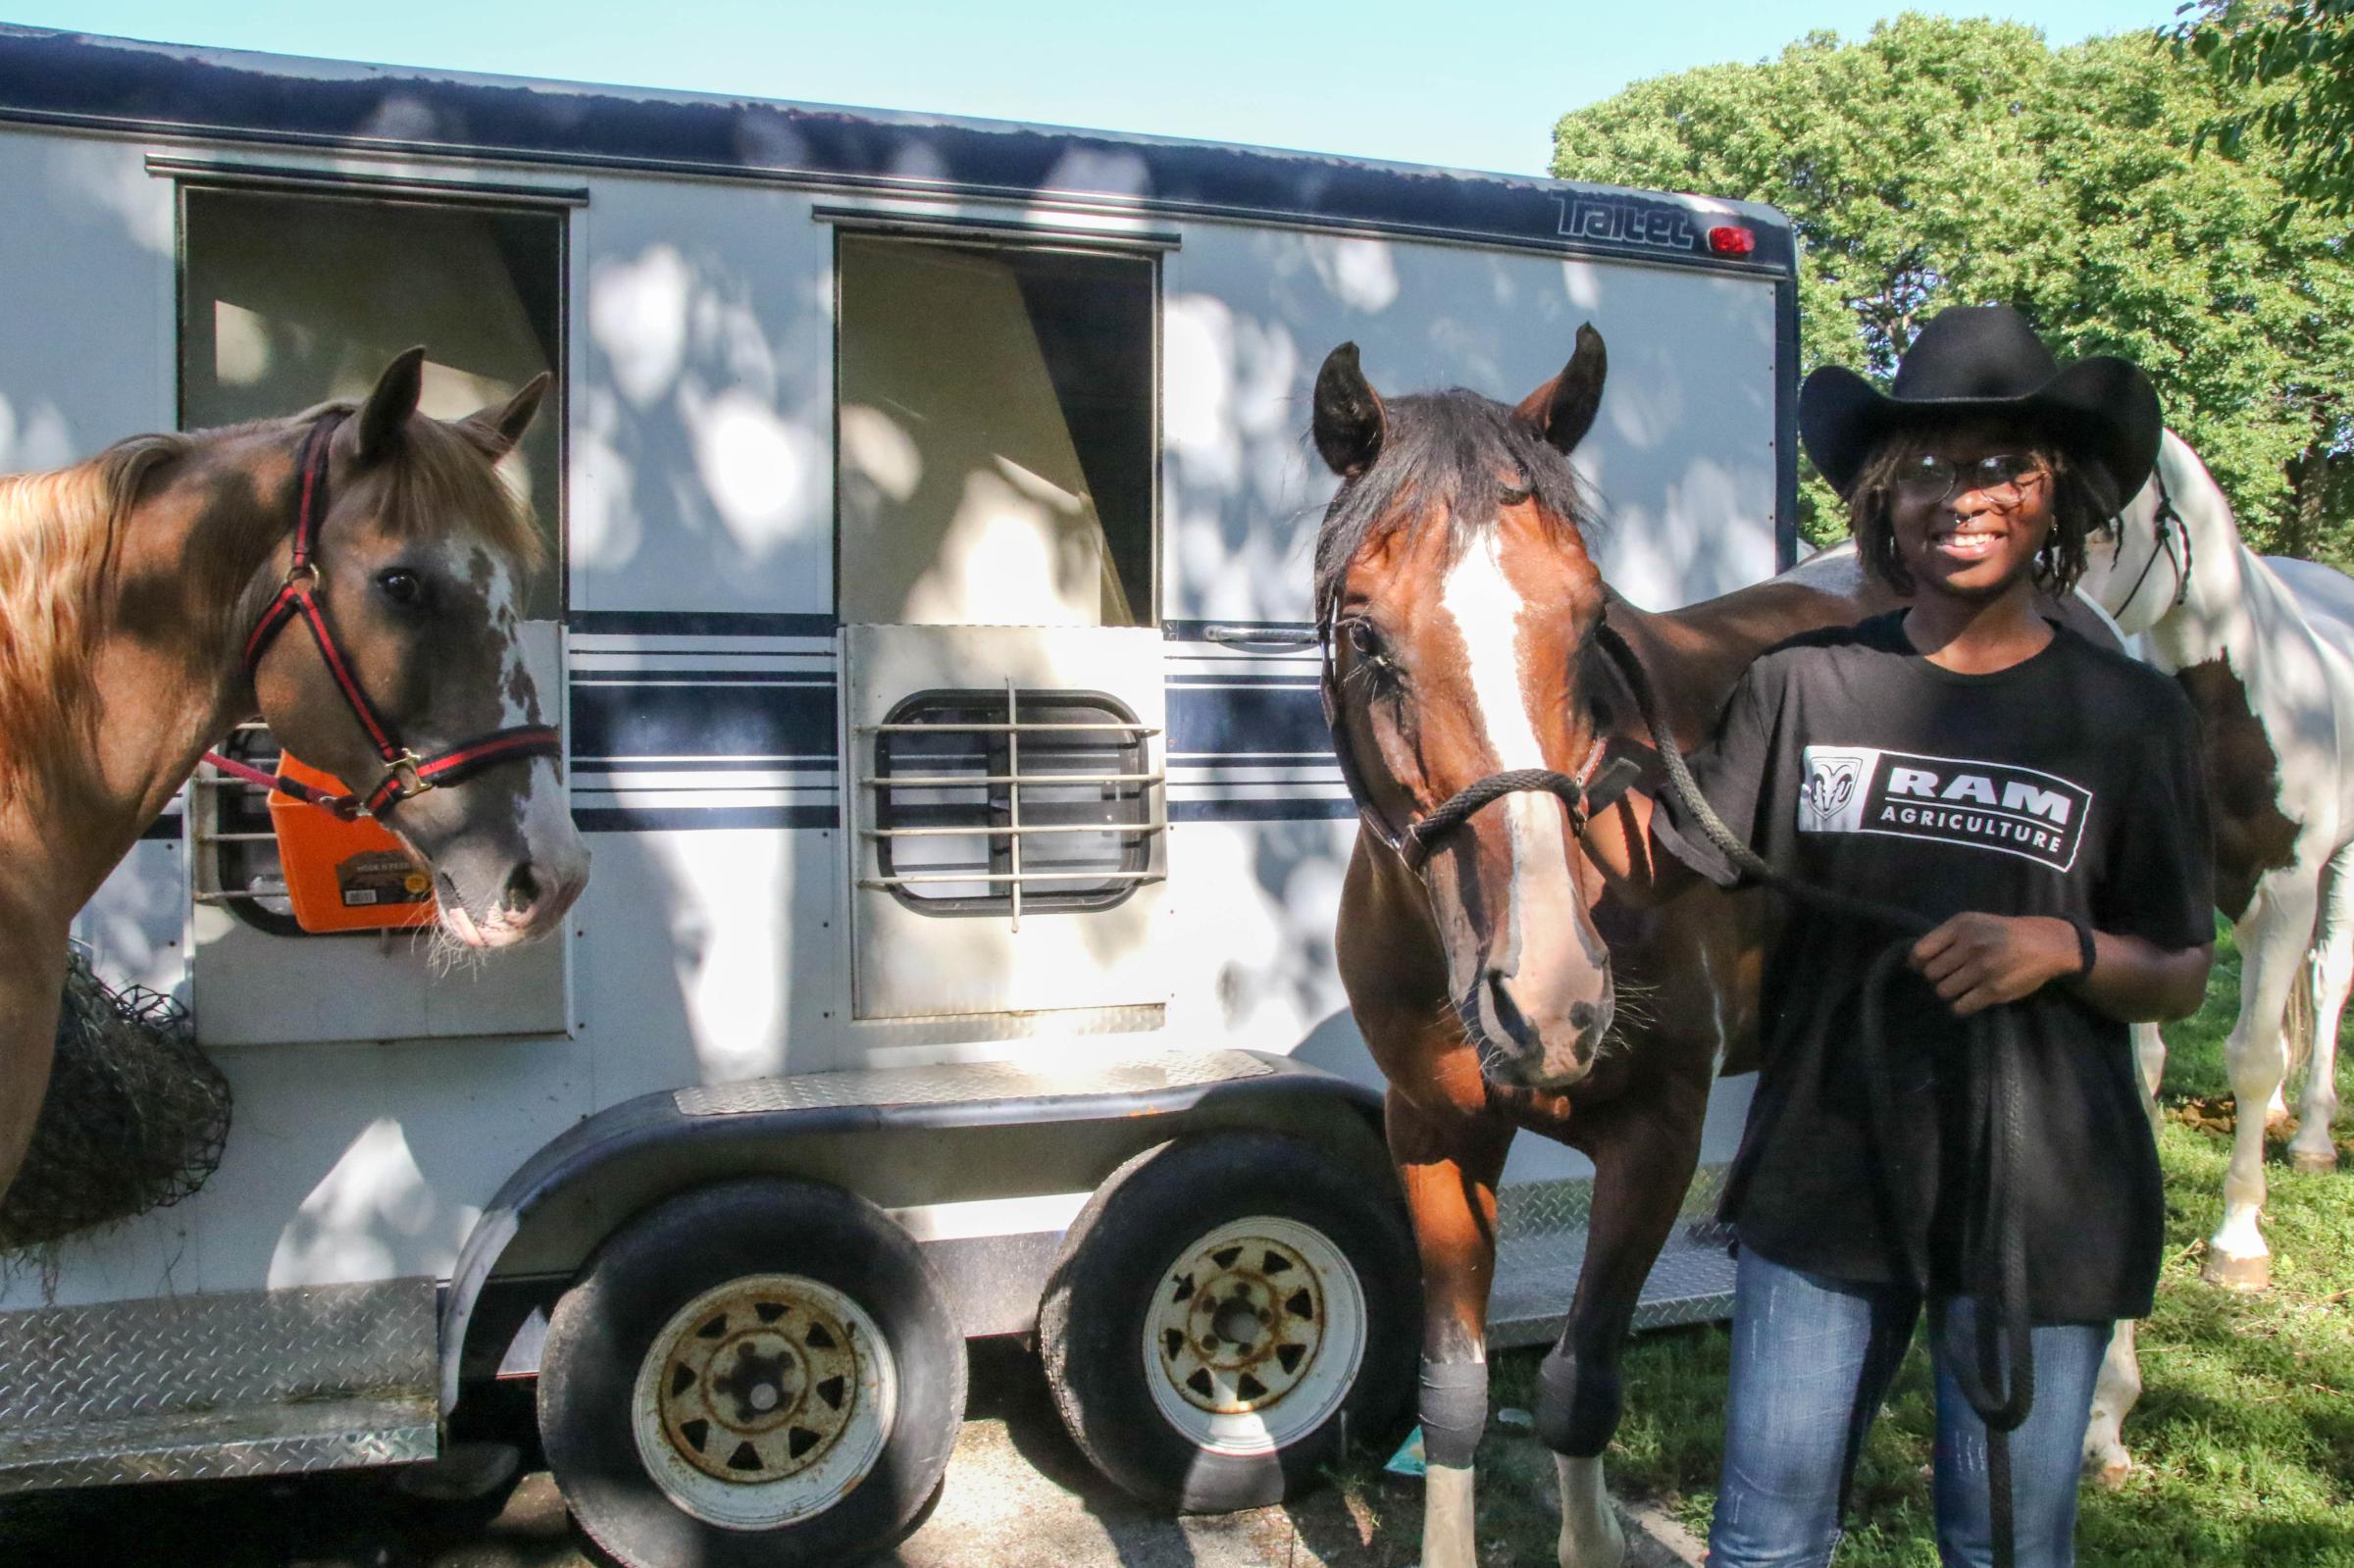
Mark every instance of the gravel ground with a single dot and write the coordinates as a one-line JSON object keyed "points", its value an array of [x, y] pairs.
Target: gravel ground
{"points": [[1018, 1495]]}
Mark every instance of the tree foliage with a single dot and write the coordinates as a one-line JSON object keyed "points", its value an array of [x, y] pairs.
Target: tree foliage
{"points": [[1942, 162], [2308, 45]]}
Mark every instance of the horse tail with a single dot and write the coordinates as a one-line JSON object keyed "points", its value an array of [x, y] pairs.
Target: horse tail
{"points": [[2297, 1021]]}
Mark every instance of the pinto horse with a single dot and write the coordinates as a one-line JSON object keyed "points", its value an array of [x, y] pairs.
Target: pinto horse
{"points": [[149, 595], [2265, 650], [1499, 980], [2266, 653]]}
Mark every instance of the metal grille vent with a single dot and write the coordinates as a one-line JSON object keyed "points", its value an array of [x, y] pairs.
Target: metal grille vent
{"points": [[236, 861], [1012, 801]]}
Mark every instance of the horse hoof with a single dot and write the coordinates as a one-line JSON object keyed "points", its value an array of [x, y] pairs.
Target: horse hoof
{"points": [[2312, 1162], [2249, 1274], [2113, 1472]]}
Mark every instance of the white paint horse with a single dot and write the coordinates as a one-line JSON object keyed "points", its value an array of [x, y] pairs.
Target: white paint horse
{"points": [[2265, 649]]}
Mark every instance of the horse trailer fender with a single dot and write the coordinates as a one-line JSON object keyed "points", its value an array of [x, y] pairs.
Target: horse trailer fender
{"points": [[905, 1138]]}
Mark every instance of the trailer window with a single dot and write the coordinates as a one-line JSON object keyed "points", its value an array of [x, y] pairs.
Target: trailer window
{"points": [[288, 300], [1013, 800], [996, 438], [292, 299]]}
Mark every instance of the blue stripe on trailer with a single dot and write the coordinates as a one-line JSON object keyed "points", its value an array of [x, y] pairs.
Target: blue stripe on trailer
{"points": [[633, 719], [1295, 810], [1242, 721], [693, 622], [700, 819]]}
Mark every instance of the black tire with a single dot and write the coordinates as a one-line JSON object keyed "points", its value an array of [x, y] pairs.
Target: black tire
{"points": [[602, 1399], [1148, 1246]]}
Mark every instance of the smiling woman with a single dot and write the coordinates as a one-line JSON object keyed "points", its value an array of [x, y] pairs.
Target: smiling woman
{"points": [[1937, 760]]}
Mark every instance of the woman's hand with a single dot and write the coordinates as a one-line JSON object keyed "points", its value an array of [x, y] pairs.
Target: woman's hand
{"points": [[1977, 961]]}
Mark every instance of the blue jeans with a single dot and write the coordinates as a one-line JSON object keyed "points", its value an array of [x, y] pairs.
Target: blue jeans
{"points": [[1812, 1360]]}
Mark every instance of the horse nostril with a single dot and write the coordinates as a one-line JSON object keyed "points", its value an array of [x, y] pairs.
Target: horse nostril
{"points": [[1582, 1016], [523, 890], [1507, 1014]]}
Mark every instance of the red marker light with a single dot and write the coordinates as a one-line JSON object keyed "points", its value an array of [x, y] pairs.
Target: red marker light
{"points": [[1728, 240]]}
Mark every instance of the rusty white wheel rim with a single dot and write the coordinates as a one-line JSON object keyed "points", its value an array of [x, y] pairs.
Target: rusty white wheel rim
{"points": [[1255, 1336], [763, 1402]]}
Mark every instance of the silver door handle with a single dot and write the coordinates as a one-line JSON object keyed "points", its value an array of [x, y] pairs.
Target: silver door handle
{"points": [[1289, 637]]}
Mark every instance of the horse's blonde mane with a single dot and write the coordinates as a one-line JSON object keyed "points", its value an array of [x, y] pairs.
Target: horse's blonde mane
{"points": [[62, 531], [58, 532]]}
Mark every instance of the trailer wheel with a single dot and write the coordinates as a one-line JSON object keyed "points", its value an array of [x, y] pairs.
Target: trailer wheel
{"points": [[761, 1372], [1225, 1312]]}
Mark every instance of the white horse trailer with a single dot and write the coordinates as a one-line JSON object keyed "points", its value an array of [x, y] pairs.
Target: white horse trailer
{"points": [[932, 508]]}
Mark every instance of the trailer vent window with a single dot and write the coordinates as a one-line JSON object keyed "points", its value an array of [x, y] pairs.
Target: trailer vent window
{"points": [[289, 299], [996, 438], [1012, 802]]}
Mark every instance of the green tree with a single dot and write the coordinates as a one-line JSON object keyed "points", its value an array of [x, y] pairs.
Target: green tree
{"points": [[1941, 162], [2308, 45]]}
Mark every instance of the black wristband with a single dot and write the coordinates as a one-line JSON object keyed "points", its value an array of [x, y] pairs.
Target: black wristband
{"points": [[2087, 954]]}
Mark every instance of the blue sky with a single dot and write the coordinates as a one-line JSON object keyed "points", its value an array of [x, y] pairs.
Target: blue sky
{"points": [[1477, 90]]}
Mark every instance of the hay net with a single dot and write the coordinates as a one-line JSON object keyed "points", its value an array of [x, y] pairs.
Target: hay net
{"points": [[135, 1119]]}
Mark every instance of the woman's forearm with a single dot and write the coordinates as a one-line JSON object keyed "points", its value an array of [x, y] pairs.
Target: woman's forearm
{"points": [[2141, 982], [1976, 961]]}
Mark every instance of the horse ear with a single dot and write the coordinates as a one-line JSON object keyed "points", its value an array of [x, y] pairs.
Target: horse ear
{"points": [[1349, 416], [496, 430], [1562, 410], [385, 417]]}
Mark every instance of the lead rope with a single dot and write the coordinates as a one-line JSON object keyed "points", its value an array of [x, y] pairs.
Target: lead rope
{"points": [[2000, 1388]]}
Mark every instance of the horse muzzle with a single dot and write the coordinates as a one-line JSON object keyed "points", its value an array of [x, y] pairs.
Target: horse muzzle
{"points": [[531, 903], [1531, 1036]]}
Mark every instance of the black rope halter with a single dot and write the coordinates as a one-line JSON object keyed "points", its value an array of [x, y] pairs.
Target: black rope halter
{"points": [[2168, 526], [1595, 785]]}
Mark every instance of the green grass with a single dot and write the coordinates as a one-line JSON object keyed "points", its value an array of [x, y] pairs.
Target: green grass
{"points": [[2243, 1441]]}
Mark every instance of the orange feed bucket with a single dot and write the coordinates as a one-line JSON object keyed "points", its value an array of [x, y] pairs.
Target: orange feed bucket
{"points": [[343, 875]]}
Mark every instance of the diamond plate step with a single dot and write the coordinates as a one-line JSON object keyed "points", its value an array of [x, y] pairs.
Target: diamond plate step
{"points": [[236, 1383], [1542, 1243]]}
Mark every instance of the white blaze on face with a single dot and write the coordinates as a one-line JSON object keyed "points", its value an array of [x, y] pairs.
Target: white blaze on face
{"points": [[547, 827], [500, 605], [1487, 610]]}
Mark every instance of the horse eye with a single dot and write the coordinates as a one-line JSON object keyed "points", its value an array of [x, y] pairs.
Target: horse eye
{"points": [[1514, 495], [401, 587], [1373, 658]]}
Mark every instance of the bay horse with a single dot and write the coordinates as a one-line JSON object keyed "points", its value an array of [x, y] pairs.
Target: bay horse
{"points": [[1500, 980], [145, 592], [2265, 650]]}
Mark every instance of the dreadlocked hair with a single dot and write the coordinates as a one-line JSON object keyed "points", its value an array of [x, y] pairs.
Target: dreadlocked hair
{"points": [[2082, 503]]}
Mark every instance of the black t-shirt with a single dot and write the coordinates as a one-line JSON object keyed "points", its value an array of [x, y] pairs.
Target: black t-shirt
{"points": [[2068, 785]]}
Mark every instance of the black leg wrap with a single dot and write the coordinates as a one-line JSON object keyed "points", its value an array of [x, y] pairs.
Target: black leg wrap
{"points": [[1454, 1410], [1577, 1403]]}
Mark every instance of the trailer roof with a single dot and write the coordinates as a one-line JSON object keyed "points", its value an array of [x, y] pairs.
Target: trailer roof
{"points": [[72, 79]]}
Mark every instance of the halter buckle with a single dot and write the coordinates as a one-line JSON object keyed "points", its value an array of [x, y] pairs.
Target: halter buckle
{"points": [[403, 769], [302, 577]]}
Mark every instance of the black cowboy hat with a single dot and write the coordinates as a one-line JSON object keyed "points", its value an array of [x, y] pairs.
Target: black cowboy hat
{"points": [[1985, 359]]}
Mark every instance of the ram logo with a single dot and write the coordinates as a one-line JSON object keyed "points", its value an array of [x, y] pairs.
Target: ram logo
{"points": [[1831, 800]]}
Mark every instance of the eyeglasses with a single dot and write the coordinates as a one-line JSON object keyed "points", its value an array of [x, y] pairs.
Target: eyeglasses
{"points": [[1935, 478]]}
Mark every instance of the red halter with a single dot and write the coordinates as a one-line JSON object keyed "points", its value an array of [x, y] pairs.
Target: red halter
{"points": [[405, 773]]}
